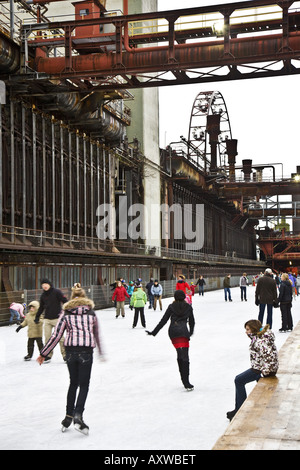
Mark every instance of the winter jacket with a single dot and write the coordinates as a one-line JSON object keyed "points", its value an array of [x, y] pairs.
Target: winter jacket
{"points": [[180, 313], [182, 285], [285, 292], [156, 290], [80, 323], [226, 282], [18, 307], [119, 294], [200, 282], [35, 330], [51, 304], [263, 352], [138, 298], [266, 291], [243, 281]]}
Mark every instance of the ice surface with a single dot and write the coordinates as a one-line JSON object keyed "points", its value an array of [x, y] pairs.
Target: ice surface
{"points": [[136, 399]]}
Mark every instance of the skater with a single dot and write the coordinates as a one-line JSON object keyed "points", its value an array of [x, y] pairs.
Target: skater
{"points": [[180, 313], [227, 286], [51, 302], [201, 283], [16, 310], [34, 332], [243, 286], [119, 294], [157, 291], [138, 301], [285, 300], [266, 295], [182, 284], [192, 286], [263, 357], [150, 295], [82, 336]]}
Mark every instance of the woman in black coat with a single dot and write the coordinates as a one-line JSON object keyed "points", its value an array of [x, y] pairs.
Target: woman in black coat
{"points": [[285, 299], [180, 313]]}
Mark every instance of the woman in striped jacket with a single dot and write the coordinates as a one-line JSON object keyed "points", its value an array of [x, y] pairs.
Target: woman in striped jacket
{"points": [[80, 323]]}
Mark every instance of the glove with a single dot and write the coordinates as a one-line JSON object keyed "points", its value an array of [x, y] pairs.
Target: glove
{"points": [[257, 302], [18, 329], [149, 333], [36, 320]]}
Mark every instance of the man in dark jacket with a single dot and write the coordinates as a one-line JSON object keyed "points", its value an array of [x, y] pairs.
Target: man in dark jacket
{"points": [[51, 304], [266, 295], [285, 299]]}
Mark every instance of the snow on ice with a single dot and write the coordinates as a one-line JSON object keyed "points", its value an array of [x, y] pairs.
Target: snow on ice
{"points": [[136, 400]]}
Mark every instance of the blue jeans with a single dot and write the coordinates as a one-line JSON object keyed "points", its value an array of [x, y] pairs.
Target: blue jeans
{"points": [[269, 313], [227, 291], [13, 313], [243, 292], [151, 300], [240, 381], [201, 290]]}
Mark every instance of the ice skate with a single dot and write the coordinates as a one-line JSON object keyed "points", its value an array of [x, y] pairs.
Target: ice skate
{"points": [[27, 358], [80, 425], [189, 387], [66, 422]]}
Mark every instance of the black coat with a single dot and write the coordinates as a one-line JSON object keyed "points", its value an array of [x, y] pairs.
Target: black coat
{"points": [[266, 290], [51, 304], [180, 313], [285, 292]]}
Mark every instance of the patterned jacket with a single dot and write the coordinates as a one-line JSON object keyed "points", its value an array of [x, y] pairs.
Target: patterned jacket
{"points": [[263, 352], [80, 323]]}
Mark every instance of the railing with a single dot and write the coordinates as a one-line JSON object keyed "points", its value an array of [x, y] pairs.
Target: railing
{"points": [[63, 241], [101, 295]]}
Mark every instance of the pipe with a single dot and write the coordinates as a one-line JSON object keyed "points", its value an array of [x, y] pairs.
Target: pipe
{"points": [[187, 55]]}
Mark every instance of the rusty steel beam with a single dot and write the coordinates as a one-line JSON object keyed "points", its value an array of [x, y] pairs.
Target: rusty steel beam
{"points": [[186, 56], [236, 190], [135, 64]]}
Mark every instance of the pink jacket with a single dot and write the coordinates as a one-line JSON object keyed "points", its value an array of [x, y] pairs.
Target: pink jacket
{"points": [[18, 307], [80, 323]]}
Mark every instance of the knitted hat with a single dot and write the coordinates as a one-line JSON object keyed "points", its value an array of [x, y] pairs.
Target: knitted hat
{"points": [[179, 295], [46, 281]]}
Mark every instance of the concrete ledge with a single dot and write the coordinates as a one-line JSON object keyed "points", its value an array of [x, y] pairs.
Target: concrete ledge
{"points": [[270, 417]]}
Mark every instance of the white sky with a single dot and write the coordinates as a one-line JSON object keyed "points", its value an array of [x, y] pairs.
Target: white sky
{"points": [[264, 113]]}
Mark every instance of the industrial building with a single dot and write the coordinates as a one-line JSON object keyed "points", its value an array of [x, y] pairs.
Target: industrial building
{"points": [[79, 146]]}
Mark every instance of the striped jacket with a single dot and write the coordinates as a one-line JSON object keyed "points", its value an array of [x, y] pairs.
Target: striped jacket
{"points": [[80, 323]]}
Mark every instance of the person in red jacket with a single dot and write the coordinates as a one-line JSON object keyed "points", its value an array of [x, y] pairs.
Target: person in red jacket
{"points": [[119, 294], [182, 284]]}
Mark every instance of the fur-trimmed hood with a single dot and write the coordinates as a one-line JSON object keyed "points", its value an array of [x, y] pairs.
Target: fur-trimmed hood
{"points": [[74, 304]]}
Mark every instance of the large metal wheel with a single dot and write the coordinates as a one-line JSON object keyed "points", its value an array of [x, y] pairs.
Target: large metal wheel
{"points": [[208, 103]]}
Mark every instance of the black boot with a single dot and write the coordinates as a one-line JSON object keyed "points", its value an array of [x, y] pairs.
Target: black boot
{"points": [[184, 369], [231, 414], [80, 425], [66, 422]]}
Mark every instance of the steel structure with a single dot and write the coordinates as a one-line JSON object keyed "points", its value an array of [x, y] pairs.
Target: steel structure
{"points": [[190, 47]]}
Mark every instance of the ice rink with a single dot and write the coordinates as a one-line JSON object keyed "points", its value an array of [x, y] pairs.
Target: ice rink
{"points": [[136, 399]]}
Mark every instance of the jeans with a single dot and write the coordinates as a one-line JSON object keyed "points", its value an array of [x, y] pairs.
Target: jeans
{"points": [[243, 292], [13, 313], [240, 381], [201, 290], [151, 300], [80, 367], [269, 313], [227, 291]]}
